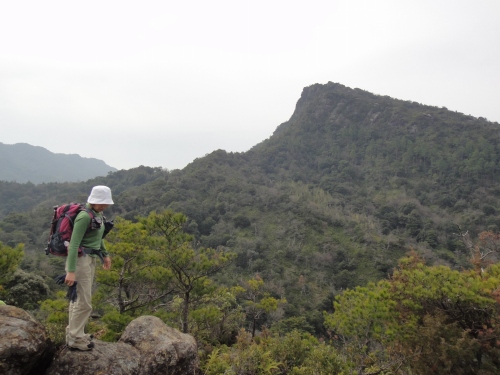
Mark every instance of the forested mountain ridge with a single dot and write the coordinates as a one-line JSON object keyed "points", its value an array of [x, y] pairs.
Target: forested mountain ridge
{"points": [[331, 200], [23, 163], [333, 124]]}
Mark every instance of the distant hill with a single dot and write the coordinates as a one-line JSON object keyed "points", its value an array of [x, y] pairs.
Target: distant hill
{"points": [[22, 163]]}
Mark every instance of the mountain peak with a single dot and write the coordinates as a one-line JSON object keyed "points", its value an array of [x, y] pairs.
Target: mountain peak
{"points": [[22, 162]]}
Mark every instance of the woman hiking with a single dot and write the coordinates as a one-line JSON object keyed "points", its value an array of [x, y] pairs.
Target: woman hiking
{"points": [[88, 231]]}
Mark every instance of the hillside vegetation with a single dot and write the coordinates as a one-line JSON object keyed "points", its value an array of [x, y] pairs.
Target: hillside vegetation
{"points": [[332, 200], [337, 194]]}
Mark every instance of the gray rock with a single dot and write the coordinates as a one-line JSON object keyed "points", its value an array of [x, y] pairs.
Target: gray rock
{"points": [[23, 342], [106, 358], [163, 350], [147, 347]]}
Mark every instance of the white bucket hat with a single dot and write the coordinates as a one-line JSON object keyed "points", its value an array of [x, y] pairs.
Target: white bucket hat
{"points": [[100, 195]]}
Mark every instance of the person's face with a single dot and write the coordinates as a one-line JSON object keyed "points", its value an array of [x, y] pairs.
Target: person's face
{"points": [[99, 207]]}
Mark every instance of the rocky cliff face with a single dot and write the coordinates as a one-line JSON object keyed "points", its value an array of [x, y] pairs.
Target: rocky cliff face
{"points": [[147, 347]]}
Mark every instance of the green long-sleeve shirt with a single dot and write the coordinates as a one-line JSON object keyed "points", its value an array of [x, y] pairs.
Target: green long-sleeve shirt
{"points": [[92, 239]]}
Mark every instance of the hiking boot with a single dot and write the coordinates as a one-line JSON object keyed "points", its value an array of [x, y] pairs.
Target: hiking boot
{"points": [[81, 344], [87, 336]]}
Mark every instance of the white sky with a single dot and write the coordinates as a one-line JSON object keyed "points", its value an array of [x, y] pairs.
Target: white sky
{"points": [[160, 83]]}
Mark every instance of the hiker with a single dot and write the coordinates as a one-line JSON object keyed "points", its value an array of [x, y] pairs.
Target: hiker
{"points": [[80, 268]]}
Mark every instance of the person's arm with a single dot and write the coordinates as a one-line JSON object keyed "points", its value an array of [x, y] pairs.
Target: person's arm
{"points": [[103, 248], [80, 226], [107, 263], [107, 259]]}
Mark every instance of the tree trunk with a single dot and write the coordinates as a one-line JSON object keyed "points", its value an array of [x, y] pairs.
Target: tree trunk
{"points": [[185, 313]]}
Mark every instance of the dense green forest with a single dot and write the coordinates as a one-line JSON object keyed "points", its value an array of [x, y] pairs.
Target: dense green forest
{"points": [[327, 209]]}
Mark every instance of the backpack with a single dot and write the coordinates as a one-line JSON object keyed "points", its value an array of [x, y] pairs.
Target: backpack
{"points": [[62, 227]]}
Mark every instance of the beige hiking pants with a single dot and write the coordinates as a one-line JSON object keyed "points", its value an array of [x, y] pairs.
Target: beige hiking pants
{"points": [[79, 311]]}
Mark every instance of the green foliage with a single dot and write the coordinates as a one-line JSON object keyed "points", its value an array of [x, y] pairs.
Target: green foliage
{"points": [[26, 290], [136, 268], [217, 317], [115, 324], [54, 315], [257, 301], [292, 349], [294, 323], [330, 202], [247, 358], [155, 267], [426, 318], [293, 353], [10, 258], [190, 267]]}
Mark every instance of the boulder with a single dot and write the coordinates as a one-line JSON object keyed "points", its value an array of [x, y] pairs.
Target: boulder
{"points": [[106, 358], [24, 345], [163, 350], [147, 346]]}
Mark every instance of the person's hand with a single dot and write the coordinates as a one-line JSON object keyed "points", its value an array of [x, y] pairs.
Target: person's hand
{"points": [[70, 278], [107, 263]]}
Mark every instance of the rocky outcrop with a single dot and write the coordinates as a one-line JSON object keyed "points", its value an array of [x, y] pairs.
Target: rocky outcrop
{"points": [[24, 345], [106, 358], [163, 350], [147, 346]]}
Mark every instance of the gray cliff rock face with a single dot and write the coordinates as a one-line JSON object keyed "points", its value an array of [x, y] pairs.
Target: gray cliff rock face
{"points": [[23, 342], [163, 350], [147, 346]]}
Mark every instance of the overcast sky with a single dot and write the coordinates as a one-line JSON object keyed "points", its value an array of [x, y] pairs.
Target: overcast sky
{"points": [[160, 83]]}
